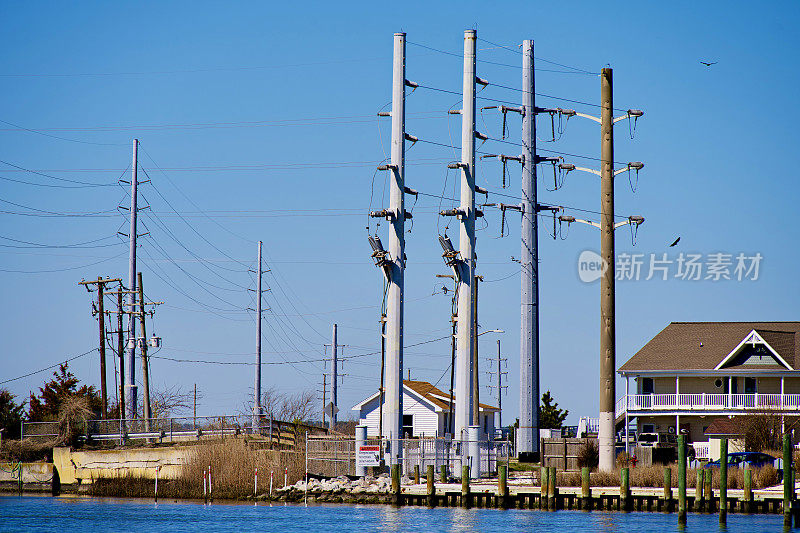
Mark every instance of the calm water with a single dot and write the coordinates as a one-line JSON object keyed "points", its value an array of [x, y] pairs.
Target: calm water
{"points": [[77, 514]]}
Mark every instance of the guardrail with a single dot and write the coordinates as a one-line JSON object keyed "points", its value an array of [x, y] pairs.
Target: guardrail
{"points": [[275, 433]]}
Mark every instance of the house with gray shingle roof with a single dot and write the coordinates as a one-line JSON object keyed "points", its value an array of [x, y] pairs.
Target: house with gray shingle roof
{"points": [[693, 373]]}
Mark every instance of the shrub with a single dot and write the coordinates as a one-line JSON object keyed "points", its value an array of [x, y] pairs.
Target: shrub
{"points": [[589, 454]]}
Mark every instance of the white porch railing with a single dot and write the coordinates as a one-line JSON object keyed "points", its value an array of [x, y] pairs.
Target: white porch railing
{"points": [[702, 450], [707, 402]]}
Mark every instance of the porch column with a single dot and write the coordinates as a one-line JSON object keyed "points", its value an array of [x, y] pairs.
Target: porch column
{"points": [[730, 392], [677, 391], [783, 405]]}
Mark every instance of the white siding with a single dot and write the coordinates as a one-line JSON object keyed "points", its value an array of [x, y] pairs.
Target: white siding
{"points": [[426, 420]]}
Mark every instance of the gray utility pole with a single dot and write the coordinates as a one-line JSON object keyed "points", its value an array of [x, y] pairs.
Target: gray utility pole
{"points": [[130, 378], [528, 435], [334, 376], [121, 356], [257, 385], [394, 258], [607, 328], [145, 364], [465, 393]]}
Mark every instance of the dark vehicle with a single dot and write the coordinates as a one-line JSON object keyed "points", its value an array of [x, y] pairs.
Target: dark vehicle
{"points": [[745, 459]]}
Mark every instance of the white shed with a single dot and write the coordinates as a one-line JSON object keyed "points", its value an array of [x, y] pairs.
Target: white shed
{"points": [[426, 411]]}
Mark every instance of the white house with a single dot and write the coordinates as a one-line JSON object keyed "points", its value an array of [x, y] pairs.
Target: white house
{"points": [[426, 412]]}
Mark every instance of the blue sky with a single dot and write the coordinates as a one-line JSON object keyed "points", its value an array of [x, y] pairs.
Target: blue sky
{"points": [[262, 118]]}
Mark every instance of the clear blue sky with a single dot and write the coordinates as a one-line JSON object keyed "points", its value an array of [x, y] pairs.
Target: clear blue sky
{"points": [[276, 101]]}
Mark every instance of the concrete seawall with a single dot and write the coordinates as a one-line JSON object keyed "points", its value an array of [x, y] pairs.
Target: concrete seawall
{"points": [[85, 466]]}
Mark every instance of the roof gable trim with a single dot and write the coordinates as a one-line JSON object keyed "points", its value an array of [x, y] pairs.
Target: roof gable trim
{"points": [[753, 338]]}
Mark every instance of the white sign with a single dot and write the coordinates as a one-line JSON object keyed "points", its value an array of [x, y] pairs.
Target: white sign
{"points": [[368, 455]]}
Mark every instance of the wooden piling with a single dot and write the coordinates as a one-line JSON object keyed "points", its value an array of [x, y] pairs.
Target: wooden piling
{"points": [[682, 479], [708, 490], [552, 491], [624, 489], [668, 489], [698, 491], [465, 486], [787, 481], [416, 475], [502, 485], [586, 489], [748, 490], [544, 474], [431, 488], [443, 476], [723, 480], [395, 471]]}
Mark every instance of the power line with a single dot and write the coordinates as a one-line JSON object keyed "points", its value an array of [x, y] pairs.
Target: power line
{"points": [[48, 271], [48, 368], [39, 173]]}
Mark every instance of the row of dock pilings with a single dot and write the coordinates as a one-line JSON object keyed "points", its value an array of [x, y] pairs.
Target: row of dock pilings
{"points": [[548, 497]]}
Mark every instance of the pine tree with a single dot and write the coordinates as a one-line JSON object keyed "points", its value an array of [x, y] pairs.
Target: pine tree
{"points": [[550, 416], [47, 404]]}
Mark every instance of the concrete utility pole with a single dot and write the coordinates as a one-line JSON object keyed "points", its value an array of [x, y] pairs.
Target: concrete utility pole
{"points": [[475, 372], [465, 394], [334, 376], [528, 434], [500, 386], [257, 384], [145, 364], [607, 327], [393, 424], [130, 379]]}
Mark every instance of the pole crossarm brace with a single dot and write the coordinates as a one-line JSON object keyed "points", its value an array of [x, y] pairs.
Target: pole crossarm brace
{"points": [[634, 219], [633, 165], [635, 113]]}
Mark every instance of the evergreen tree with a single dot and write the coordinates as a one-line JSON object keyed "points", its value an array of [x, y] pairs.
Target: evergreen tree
{"points": [[10, 414], [47, 404], [550, 416]]}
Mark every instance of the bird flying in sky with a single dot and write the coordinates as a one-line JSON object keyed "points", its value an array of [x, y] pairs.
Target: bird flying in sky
{"points": [[708, 64], [675, 242]]}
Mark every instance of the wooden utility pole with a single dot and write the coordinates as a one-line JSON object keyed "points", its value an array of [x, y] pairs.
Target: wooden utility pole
{"points": [[607, 327], [101, 283], [121, 356], [145, 365]]}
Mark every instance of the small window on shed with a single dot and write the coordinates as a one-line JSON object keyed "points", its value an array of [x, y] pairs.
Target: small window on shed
{"points": [[408, 426]]}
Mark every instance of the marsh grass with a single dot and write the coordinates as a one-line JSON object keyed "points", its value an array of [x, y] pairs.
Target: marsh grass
{"points": [[232, 463], [653, 476]]}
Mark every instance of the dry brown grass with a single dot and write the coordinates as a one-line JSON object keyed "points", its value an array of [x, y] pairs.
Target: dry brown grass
{"points": [[653, 476], [232, 464], [27, 450]]}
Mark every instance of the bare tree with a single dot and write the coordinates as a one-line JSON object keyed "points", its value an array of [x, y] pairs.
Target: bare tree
{"points": [[168, 402], [287, 407]]}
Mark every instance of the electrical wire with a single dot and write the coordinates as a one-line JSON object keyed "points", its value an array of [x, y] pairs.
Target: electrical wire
{"points": [[49, 367]]}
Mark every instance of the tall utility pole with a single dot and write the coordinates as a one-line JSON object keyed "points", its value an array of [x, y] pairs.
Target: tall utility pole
{"points": [[334, 376], [528, 434], [393, 423], [130, 379], [257, 384], [145, 363], [607, 328], [475, 368], [465, 394]]}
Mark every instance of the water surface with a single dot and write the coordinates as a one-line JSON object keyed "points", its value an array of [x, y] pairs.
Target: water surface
{"points": [[83, 514]]}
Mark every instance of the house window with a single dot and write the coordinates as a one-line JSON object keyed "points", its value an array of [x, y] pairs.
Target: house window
{"points": [[648, 428], [485, 424], [647, 386], [750, 385], [408, 426]]}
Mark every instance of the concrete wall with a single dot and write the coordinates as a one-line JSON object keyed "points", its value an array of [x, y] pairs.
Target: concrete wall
{"points": [[139, 462], [31, 473]]}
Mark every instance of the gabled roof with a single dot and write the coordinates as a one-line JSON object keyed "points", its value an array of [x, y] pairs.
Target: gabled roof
{"points": [[704, 345], [426, 392]]}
